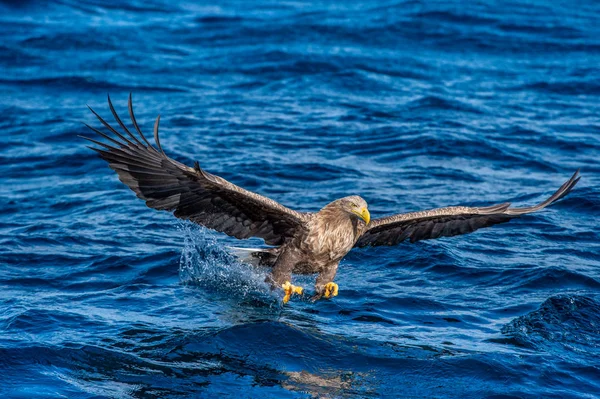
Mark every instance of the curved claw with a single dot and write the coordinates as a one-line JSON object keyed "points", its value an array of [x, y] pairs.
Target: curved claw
{"points": [[331, 290], [290, 290]]}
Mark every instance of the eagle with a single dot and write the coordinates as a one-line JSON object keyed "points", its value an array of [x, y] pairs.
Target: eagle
{"points": [[299, 242]]}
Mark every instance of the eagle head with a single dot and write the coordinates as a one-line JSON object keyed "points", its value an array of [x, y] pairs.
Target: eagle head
{"points": [[356, 207]]}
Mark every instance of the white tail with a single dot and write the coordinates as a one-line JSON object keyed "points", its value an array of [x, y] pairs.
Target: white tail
{"points": [[254, 256]]}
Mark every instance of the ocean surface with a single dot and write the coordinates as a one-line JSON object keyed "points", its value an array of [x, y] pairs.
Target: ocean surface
{"points": [[411, 104]]}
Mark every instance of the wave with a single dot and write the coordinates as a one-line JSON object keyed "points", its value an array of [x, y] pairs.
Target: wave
{"points": [[571, 321], [564, 87], [76, 83]]}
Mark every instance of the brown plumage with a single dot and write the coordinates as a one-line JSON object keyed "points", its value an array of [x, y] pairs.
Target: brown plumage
{"points": [[303, 243]]}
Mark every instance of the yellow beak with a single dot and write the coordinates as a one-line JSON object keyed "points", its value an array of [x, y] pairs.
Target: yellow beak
{"points": [[363, 213]]}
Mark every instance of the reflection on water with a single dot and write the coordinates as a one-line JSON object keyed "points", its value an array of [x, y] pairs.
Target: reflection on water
{"points": [[330, 384]]}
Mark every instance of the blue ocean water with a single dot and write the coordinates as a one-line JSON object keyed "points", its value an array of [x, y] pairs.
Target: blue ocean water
{"points": [[411, 104]]}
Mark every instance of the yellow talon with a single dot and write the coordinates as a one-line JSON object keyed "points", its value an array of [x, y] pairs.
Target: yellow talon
{"points": [[289, 290], [331, 289]]}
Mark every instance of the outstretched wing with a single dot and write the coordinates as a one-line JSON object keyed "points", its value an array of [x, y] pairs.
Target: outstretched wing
{"points": [[450, 221], [192, 193]]}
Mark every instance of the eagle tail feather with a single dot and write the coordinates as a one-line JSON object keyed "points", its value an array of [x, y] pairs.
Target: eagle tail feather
{"points": [[255, 256]]}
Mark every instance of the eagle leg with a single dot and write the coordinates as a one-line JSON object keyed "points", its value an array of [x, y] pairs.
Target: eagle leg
{"points": [[324, 286], [289, 289]]}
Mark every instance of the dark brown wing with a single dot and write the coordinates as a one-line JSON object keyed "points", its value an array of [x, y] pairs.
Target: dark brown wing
{"points": [[447, 222], [192, 193]]}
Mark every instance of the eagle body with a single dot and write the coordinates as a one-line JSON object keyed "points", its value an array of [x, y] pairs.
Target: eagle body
{"points": [[301, 242], [318, 248], [332, 232]]}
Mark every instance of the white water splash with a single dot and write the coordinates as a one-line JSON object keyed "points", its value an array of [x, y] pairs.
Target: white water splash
{"points": [[206, 263]]}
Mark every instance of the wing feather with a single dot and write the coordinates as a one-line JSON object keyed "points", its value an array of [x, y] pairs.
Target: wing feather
{"points": [[191, 193], [449, 221]]}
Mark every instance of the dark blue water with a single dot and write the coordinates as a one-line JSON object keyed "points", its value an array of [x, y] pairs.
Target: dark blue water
{"points": [[410, 104]]}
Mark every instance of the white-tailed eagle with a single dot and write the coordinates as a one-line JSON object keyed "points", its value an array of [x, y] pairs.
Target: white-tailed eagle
{"points": [[302, 242]]}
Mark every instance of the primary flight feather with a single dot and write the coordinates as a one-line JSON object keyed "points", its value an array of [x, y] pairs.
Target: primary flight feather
{"points": [[304, 242]]}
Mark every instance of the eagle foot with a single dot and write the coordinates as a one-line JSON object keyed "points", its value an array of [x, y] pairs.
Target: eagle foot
{"points": [[331, 290], [289, 289]]}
